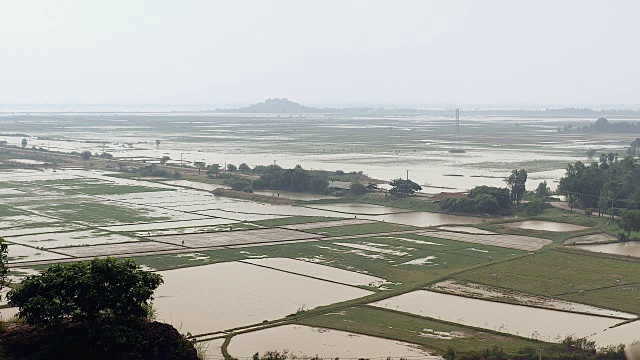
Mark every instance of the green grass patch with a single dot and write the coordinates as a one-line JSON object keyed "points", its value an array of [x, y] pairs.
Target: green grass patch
{"points": [[418, 330], [98, 213], [293, 220], [360, 229], [559, 273], [9, 211]]}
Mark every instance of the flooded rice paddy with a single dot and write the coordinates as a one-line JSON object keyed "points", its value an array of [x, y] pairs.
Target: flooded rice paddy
{"points": [[546, 226], [492, 293], [318, 271], [326, 343], [358, 209], [620, 248], [533, 323], [466, 229], [266, 294], [235, 238], [518, 242]]}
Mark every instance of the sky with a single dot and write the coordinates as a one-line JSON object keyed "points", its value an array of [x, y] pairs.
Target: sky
{"points": [[431, 53]]}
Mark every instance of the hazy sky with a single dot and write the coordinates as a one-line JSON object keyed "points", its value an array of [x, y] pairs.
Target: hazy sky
{"points": [[485, 52]]}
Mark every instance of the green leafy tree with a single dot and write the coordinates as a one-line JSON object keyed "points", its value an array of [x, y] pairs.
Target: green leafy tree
{"points": [[231, 167], [542, 191], [402, 187], [591, 152], [213, 170], [357, 188], [94, 294], [24, 143], [244, 168], [164, 159], [630, 221], [516, 183], [241, 184], [85, 155]]}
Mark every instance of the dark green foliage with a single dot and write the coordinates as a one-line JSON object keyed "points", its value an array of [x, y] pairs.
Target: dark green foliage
{"points": [[95, 293], [231, 167], [164, 159], [296, 179], [402, 187], [516, 183], [244, 168], [24, 143], [630, 221], [591, 152], [241, 184], [358, 189], [481, 199], [609, 183], [535, 207], [542, 191], [85, 155], [213, 170], [155, 341]]}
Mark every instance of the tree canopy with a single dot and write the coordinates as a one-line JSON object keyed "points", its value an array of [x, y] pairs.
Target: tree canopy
{"points": [[402, 187], [93, 293], [516, 183]]}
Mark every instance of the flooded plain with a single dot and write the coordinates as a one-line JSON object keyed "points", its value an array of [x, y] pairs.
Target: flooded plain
{"points": [[533, 323], [358, 209], [546, 226], [631, 248], [327, 344], [215, 290]]}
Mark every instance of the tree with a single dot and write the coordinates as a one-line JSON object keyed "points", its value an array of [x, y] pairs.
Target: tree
{"points": [[92, 293], [241, 184], [630, 221], [24, 143], [244, 168], [591, 152], [157, 143], [357, 188], [85, 155], [372, 187], [231, 167], [516, 182], [214, 170], [164, 159], [106, 155], [200, 165], [542, 191], [402, 187]]}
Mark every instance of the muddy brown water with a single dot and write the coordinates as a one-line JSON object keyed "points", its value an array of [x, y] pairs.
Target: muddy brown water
{"points": [[222, 296], [534, 323], [546, 226], [327, 344], [631, 248]]}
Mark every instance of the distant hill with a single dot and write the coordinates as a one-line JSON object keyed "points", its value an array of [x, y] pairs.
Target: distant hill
{"points": [[286, 106], [275, 105]]}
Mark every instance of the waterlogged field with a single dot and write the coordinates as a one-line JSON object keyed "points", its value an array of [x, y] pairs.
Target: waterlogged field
{"points": [[326, 343], [260, 294], [230, 262]]}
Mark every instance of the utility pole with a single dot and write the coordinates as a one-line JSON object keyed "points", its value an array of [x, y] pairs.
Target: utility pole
{"points": [[540, 357], [407, 174], [181, 159]]}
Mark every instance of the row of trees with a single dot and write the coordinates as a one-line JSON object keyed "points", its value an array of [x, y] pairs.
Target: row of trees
{"points": [[605, 185]]}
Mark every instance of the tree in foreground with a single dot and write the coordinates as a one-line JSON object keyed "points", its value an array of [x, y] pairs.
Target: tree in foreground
{"points": [[96, 292], [97, 309], [24, 143], [402, 187]]}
